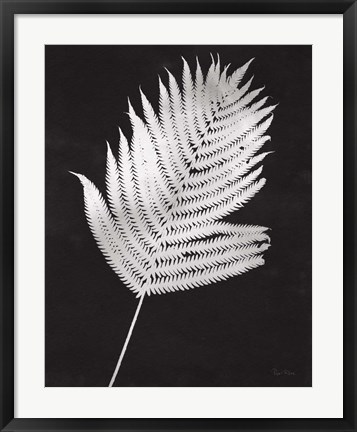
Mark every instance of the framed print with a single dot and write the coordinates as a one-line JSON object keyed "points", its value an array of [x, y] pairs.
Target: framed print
{"points": [[178, 215]]}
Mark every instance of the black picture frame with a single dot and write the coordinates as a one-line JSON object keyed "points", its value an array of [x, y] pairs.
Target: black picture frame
{"points": [[8, 10]]}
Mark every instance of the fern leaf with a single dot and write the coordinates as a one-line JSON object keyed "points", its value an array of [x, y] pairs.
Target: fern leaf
{"points": [[187, 166]]}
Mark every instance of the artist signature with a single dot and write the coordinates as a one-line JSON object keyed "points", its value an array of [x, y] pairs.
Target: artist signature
{"points": [[280, 372]]}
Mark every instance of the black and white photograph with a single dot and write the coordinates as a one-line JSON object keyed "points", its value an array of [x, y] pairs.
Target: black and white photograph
{"points": [[178, 216]]}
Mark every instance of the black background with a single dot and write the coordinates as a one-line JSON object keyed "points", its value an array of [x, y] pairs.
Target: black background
{"points": [[228, 334]]}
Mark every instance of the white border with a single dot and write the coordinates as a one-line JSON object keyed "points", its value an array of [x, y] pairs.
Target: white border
{"points": [[324, 399]]}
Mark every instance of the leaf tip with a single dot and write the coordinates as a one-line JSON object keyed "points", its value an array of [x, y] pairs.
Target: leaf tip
{"points": [[109, 150], [130, 107], [81, 177]]}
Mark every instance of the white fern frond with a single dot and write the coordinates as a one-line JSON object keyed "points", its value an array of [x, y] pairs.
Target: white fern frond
{"points": [[187, 167]]}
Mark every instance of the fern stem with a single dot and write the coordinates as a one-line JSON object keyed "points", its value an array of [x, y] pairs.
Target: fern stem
{"points": [[116, 370]]}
